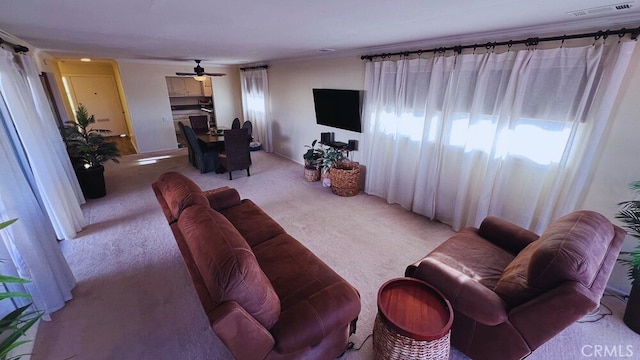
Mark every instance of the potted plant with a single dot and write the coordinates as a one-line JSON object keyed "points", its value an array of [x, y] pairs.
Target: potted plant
{"points": [[14, 325], [329, 158], [629, 215], [88, 151], [311, 161]]}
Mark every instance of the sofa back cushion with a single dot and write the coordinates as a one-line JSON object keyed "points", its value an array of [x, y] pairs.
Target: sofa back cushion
{"points": [[572, 248], [179, 192], [227, 265]]}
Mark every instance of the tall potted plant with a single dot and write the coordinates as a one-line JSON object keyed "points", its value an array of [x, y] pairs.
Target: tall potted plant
{"points": [[88, 151], [629, 215], [15, 324]]}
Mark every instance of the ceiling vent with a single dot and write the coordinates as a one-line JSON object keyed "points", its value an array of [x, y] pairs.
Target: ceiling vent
{"points": [[601, 10]]}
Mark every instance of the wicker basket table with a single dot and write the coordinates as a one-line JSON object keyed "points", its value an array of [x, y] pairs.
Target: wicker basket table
{"points": [[413, 322]]}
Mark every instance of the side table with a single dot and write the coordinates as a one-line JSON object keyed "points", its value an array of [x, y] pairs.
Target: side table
{"points": [[413, 322]]}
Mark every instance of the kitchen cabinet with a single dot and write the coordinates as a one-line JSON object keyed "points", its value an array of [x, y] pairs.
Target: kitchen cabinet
{"points": [[187, 86]]}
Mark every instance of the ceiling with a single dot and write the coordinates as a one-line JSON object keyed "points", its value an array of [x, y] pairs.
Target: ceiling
{"points": [[244, 31]]}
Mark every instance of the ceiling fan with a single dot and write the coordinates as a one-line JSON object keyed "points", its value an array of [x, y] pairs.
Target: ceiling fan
{"points": [[199, 73]]}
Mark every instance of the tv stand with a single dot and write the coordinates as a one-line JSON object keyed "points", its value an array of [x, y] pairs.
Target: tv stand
{"points": [[338, 144]]}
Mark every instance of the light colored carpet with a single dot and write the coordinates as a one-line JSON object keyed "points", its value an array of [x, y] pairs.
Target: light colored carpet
{"points": [[134, 298]]}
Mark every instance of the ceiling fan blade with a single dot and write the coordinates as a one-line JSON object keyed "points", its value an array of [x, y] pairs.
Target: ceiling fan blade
{"points": [[214, 74], [185, 74]]}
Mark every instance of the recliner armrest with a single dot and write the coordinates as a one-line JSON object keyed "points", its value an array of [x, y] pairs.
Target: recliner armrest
{"points": [[243, 335], [507, 235], [308, 322], [222, 198], [465, 294], [544, 316]]}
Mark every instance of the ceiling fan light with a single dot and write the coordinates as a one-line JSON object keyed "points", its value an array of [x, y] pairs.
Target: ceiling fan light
{"points": [[200, 77]]}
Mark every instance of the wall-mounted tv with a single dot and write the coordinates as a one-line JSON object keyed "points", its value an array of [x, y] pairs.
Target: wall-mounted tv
{"points": [[338, 108]]}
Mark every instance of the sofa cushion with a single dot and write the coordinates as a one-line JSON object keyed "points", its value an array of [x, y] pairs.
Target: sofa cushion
{"points": [[314, 299], [179, 192], [252, 223], [571, 249], [228, 266]]}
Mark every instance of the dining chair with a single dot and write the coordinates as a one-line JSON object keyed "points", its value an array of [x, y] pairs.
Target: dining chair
{"points": [[236, 155], [199, 123], [235, 124], [247, 125], [206, 159], [192, 159]]}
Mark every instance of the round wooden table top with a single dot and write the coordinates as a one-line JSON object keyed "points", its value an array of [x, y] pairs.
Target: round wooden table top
{"points": [[414, 309]]}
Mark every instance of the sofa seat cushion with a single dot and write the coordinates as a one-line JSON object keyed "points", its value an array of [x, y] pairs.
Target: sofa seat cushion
{"points": [[227, 265], [252, 223], [572, 248], [179, 192], [314, 299]]}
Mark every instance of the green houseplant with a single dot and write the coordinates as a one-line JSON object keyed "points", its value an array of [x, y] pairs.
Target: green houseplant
{"points": [[329, 158], [88, 151], [629, 215], [311, 161], [14, 325]]}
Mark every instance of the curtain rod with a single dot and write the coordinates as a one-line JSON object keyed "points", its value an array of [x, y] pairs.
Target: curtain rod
{"points": [[16, 47], [254, 67], [529, 42]]}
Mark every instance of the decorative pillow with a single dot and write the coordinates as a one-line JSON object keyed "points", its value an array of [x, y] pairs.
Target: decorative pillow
{"points": [[180, 192], [228, 267]]}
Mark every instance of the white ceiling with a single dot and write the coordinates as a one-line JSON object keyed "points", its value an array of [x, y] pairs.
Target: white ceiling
{"points": [[245, 31]]}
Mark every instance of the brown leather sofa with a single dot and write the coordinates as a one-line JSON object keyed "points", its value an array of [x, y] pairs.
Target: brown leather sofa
{"points": [[266, 295], [512, 290]]}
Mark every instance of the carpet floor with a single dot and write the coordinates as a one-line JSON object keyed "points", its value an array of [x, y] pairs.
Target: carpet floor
{"points": [[134, 298]]}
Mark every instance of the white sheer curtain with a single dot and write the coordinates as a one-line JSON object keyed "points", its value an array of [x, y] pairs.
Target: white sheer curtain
{"points": [[31, 116], [513, 135], [255, 104], [35, 186]]}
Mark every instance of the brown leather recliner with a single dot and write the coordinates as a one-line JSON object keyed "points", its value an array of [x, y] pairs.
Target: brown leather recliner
{"points": [[512, 290]]}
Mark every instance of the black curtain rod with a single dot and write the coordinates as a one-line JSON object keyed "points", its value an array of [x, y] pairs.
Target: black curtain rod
{"points": [[16, 47], [254, 67], [529, 42]]}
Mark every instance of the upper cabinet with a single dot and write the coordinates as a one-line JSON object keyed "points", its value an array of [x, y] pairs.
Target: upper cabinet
{"points": [[188, 86]]}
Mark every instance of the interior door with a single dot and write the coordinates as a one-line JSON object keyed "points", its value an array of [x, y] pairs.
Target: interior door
{"points": [[99, 94]]}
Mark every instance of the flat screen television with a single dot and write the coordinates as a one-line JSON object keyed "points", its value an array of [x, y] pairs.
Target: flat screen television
{"points": [[338, 108]]}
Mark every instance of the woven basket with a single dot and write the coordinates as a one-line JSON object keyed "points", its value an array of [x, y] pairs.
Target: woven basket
{"points": [[311, 174], [389, 345], [345, 178]]}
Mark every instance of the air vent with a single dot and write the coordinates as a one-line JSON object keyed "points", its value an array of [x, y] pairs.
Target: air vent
{"points": [[601, 9]]}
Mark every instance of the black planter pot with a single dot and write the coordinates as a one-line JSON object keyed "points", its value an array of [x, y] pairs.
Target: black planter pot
{"points": [[92, 182], [632, 312]]}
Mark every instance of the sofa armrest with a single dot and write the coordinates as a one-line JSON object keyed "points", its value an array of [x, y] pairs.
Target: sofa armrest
{"points": [[544, 316], [243, 335], [465, 294], [308, 322], [507, 235], [222, 198]]}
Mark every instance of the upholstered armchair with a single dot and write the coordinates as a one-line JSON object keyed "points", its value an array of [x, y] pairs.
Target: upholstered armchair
{"points": [[512, 290]]}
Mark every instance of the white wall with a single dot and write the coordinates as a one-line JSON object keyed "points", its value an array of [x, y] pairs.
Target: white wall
{"points": [[145, 90], [293, 114], [619, 164]]}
